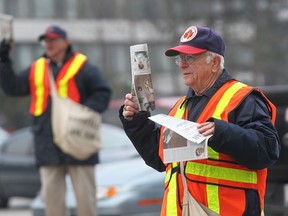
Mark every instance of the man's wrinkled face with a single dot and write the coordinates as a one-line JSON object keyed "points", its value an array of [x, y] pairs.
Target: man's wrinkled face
{"points": [[195, 69]]}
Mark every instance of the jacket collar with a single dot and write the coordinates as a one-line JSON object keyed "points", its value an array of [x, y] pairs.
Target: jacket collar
{"points": [[222, 79]]}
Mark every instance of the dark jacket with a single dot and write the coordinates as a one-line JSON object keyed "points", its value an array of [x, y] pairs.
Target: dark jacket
{"points": [[249, 137], [94, 93]]}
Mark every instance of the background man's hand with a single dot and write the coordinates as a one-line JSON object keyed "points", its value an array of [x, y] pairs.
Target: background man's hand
{"points": [[4, 51]]}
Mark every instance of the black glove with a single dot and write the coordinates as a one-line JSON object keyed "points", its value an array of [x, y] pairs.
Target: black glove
{"points": [[4, 51]]}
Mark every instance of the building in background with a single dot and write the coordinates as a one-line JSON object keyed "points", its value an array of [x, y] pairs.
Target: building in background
{"points": [[255, 33]]}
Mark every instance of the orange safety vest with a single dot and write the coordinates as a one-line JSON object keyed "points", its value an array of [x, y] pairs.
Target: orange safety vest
{"points": [[216, 182], [65, 83]]}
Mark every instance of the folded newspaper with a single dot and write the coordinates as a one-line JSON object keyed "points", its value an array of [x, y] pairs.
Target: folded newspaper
{"points": [[142, 88], [6, 27], [182, 141]]}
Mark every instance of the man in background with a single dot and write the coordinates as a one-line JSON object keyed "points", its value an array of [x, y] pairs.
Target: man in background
{"points": [[86, 85]]}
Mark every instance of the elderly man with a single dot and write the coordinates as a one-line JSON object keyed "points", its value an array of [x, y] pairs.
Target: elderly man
{"points": [[244, 141], [84, 84]]}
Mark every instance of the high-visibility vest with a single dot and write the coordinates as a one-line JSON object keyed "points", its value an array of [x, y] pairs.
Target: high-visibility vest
{"points": [[217, 182], [65, 82]]}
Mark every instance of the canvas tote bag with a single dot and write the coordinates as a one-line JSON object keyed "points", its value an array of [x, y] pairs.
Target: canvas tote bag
{"points": [[76, 128], [190, 206]]}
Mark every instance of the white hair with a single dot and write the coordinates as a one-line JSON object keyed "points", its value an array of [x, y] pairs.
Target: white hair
{"points": [[211, 55]]}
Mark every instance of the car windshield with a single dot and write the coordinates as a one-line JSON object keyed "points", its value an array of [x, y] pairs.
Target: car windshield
{"points": [[3, 135], [114, 137]]}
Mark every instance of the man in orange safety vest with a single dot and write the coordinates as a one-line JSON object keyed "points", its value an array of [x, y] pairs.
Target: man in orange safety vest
{"points": [[77, 79], [239, 119]]}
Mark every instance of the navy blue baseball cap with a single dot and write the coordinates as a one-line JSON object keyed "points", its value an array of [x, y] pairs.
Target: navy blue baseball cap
{"points": [[53, 32], [198, 39]]}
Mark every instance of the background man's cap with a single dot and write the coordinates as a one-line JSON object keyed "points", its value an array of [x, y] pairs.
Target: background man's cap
{"points": [[53, 32], [198, 39]]}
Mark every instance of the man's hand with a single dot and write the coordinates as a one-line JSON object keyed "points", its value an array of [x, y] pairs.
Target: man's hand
{"points": [[4, 51], [130, 107]]}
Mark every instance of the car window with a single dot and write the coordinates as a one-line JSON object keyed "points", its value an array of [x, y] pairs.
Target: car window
{"points": [[19, 145], [114, 137], [3, 135]]}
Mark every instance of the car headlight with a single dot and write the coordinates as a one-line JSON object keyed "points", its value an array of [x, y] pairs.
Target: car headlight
{"points": [[106, 192]]}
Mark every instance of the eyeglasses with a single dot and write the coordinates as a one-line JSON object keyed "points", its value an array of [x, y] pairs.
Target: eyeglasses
{"points": [[190, 59], [49, 40]]}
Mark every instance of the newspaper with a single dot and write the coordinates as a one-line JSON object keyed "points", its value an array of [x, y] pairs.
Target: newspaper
{"points": [[182, 141], [6, 27], [142, 88]]}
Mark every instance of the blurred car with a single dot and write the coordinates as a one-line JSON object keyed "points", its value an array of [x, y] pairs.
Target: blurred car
{"points": [[277, 176], [3, 135], [19, 175], [125, 188]]}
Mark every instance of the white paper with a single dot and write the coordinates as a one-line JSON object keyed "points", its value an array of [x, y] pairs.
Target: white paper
{"points": [[6, 31], [182, 141], [142, 87]]}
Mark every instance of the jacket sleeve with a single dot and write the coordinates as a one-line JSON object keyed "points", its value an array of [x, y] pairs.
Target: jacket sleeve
{"points": [[144, 134], [250, 136], [14, 84], [97, 92]]}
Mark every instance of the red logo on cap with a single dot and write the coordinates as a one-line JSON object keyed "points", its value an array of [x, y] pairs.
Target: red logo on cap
{"points": [[189, 34]]}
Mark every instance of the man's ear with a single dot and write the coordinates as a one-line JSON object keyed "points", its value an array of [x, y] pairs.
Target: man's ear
{"points": [[216, 61]]}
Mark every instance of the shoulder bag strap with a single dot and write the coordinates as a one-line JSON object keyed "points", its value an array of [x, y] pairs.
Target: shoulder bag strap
{"points": [[190, 206]]}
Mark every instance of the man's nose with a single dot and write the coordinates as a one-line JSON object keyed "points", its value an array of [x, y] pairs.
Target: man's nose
{"points": [[183, 64]]}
